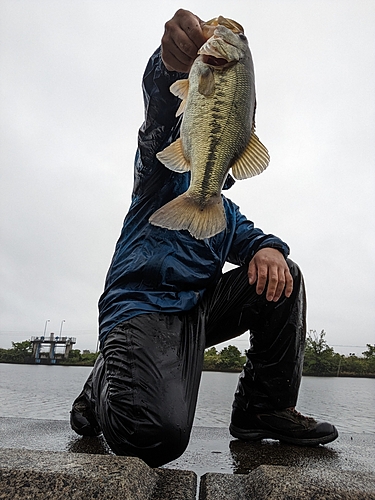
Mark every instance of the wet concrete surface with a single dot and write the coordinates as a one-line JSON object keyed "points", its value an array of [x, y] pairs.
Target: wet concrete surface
{"points": [[210, 449]]}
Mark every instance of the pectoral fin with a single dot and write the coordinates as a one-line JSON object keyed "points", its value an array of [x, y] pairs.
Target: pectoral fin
{"points": [[206, 85], [253, 160], [173, 157], [181, 90]]}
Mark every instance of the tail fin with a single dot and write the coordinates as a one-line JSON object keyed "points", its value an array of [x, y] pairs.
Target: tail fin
{"points": [[185, 213]]}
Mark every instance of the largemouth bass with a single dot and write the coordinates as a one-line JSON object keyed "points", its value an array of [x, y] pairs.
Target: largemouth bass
{"points": [[217, 131]]}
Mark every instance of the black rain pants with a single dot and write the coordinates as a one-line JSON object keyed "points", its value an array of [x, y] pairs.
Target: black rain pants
{"points": [[143, 388]]}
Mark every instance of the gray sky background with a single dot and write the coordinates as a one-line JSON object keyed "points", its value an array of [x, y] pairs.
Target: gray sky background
{"points": [[71, 105]]}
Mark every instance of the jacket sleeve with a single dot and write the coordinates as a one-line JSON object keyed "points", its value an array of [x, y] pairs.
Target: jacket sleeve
{"points": [[160, 126], [248, 239]]}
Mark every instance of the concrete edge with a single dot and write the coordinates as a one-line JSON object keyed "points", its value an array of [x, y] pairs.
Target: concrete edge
{"points": [[58, 475], [269, 482]]}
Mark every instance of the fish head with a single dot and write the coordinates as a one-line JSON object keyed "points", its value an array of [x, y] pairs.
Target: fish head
{"points": [[225, 46]]}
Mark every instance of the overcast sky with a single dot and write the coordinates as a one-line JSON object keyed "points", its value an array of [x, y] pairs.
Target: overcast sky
{"points": [[71, 105]]}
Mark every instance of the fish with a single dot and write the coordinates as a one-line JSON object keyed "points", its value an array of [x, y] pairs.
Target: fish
{"points": [[217, 131]]}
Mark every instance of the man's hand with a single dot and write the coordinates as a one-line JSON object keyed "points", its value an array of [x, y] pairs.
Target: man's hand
{"points": [[181, 40], [269, 266]]}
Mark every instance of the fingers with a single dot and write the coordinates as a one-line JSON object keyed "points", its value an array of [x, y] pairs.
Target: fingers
{"points": [[270, 272], [181, 40], [280, 281], [252, 272], [288, 283]]}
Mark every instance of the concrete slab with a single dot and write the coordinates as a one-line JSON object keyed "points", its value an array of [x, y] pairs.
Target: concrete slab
{"points": [[269, 482], [59, 475], [225, 463]]}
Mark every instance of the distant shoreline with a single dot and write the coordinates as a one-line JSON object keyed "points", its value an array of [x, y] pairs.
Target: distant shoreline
{"points": [[331, 375], [341, 375]]}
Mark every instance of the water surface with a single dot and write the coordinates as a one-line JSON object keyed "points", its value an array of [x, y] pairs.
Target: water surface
{"points": [[47, 392]]}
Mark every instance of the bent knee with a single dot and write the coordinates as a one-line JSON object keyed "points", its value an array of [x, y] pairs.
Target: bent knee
{"points": [[157, 443], [294, 269]]}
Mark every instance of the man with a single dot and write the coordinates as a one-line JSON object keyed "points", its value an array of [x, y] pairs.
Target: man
{"points": [[166, 300]]}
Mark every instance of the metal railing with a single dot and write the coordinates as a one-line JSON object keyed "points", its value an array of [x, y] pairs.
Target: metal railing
{"points": [[57, 339]]}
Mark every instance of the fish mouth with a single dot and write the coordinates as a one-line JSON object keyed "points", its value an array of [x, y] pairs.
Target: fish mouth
{"points": [[219, 52], [214, 61]]}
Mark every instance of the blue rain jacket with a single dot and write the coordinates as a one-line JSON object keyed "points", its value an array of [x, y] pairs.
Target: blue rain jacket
{"points": [[155, 269]]}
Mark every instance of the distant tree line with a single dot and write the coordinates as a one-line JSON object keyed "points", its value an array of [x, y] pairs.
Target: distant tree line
{"points": [[20, 352], [84, 358], [228, 359], [320, 359]]}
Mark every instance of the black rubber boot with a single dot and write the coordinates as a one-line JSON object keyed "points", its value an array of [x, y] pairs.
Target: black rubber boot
{"points": [[287, 425]]}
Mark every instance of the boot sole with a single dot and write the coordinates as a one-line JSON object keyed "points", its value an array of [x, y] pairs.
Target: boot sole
{"points": [[257, 435]]}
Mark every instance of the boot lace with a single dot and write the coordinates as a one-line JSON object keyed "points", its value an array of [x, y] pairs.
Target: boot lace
{"points": [[299, 415]]}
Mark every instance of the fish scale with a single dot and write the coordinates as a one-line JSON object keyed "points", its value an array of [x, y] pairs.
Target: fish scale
{"points": [[215, 158]]}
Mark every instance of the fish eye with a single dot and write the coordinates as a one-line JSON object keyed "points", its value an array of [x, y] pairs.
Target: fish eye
{"points": [[242, 36]]}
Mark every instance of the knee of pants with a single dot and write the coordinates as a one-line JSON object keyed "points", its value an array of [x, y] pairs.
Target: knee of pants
{"points": [[156, 437], [295, 271], [298, 281]]}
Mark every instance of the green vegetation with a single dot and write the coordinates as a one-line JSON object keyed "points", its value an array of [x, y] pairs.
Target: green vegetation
{"points": [[19, 353], [320, 358], [76, 357], [229, 359]]}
